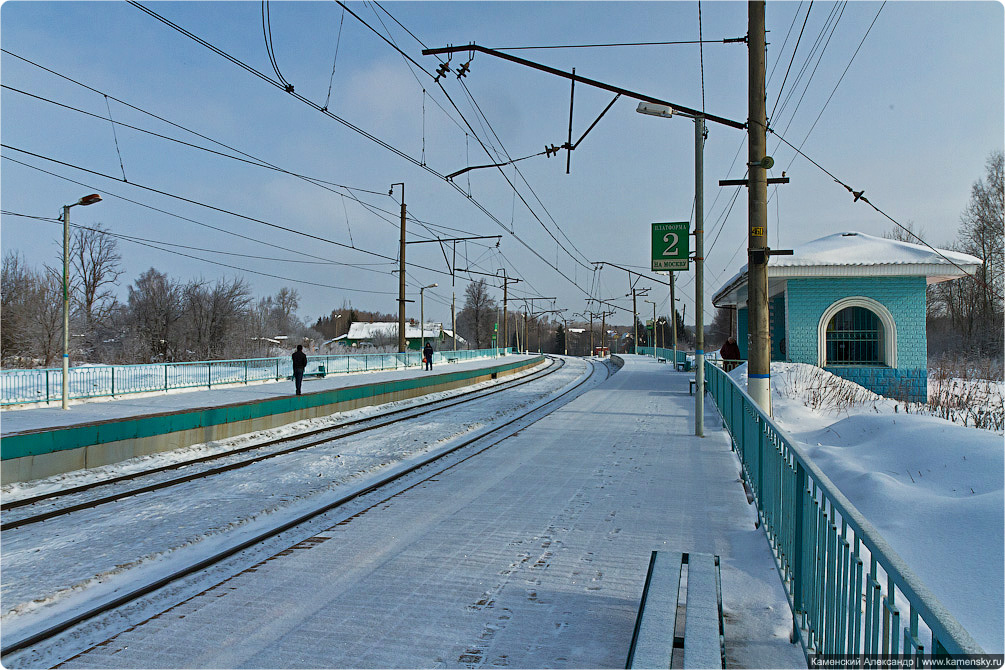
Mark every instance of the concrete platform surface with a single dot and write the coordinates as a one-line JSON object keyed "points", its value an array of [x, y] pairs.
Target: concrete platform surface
{"points": [[531, 555]]}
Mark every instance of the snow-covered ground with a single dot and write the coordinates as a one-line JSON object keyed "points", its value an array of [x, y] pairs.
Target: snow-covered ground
{"points": [[532, 554], [934, 489], [59, 567]]}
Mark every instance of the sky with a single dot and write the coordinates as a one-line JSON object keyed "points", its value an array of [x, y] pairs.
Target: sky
{"points": [[903, 100]]}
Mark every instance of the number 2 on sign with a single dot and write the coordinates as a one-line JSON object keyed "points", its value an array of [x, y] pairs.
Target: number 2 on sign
{"points": [[672, 249]]}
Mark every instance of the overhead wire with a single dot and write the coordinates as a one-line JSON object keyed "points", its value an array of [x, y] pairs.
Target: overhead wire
{"points": [[345, 122], [206, 205], [107, 193], [475, 134], [155, 245]]}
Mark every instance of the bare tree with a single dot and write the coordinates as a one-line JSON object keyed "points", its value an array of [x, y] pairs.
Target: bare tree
{"points": [[18, 284], [973, 305], [95, 265], [154, 309], [32, 307], [214, 317], [475, 320]]}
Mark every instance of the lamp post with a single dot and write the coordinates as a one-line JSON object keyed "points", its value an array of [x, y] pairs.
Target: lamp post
{"points": [[666, 111], [655, 343], [86, 200], [422, 311]]}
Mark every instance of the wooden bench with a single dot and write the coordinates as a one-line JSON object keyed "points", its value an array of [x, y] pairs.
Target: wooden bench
{"points": [[673, 634], [691, 384]]}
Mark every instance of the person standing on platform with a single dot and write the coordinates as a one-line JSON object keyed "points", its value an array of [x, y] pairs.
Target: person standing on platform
{"points": [[427, 355], [299, 365], [730, 354]]}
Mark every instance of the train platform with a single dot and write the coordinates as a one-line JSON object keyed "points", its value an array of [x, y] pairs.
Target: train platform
{"points": [[533, 554], [41, 441]]}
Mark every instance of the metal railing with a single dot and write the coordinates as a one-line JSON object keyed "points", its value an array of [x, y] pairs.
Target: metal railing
{"points": [[674, 356], [95, 381], [849, 590]]}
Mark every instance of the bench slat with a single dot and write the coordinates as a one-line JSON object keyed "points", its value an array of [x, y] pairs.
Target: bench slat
{"points": [[701, 629], [652, 645]]}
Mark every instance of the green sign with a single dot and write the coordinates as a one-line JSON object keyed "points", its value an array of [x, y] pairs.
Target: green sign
{"points": [[671, 246]]}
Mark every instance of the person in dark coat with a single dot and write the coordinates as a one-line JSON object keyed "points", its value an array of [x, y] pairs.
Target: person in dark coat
{"points": [[299, 365], [427, 355], [730, 354]]}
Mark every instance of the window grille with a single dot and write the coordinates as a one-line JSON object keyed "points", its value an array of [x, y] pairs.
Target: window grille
{"points": [[854, 337]]}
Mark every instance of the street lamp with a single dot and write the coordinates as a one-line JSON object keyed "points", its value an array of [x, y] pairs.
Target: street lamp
{"points": [[655, 344], [422, 311], [666, 111], [86, 200]]}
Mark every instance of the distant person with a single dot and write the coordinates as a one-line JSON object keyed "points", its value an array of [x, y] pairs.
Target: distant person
{"points": [[299, 365], [730, 354], [427, 355]]}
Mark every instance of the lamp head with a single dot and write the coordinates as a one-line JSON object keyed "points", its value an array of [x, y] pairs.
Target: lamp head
{"points": [[89, 199], [652, 109]]}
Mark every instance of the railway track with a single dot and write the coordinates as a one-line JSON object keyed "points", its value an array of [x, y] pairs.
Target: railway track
{"points": [[391, 484], [255, 453]]}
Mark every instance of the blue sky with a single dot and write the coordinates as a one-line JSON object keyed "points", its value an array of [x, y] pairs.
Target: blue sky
{"points": [[912, 123]]}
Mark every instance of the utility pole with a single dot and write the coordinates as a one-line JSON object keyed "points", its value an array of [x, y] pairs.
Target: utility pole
{"points": [[401, 271], [699, 279], [759, 339], [506, 282], [635, 314], [655, 334], [453, 268], [673, 317]]}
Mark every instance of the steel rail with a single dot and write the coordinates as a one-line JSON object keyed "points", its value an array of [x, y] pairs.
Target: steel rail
{"points": [[444, 403], [146, 589]]}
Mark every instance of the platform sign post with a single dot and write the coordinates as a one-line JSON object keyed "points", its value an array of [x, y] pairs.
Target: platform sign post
{"points": [[670, 246]]}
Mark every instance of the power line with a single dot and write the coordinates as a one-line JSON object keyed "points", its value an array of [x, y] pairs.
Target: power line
{"points": [[251, 159], [859, 196], [211, 207], [791, 60], [726, 40], [346, 123], [154, 245]]}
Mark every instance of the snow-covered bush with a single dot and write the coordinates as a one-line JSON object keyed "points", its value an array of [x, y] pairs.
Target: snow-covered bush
{"points": [[969, 393], [817, 388]]}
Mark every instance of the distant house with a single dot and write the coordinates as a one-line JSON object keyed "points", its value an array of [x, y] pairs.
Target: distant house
{"points": [[853, 304], [385, 333]]}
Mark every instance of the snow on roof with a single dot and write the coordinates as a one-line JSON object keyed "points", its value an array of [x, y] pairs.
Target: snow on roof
{"points": [[359, 330], [854, 254]]}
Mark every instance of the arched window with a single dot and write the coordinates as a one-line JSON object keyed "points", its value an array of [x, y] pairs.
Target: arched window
{"points": [[857, 331], [854, 337]]}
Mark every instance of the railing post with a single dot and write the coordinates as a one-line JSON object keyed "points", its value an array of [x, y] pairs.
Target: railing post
{"points": [[798, 552], [47, 386], [165, 378], [113, 380]]}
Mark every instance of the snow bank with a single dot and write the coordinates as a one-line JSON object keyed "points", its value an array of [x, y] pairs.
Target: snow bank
{"points": [[933, 489]]}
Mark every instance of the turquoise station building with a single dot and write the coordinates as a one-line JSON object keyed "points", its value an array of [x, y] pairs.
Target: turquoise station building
{"points": [[854, 305]]}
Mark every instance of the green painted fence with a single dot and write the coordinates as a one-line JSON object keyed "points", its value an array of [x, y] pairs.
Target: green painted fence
{"points": [[95, 381], [50, 440], [850, 593]]}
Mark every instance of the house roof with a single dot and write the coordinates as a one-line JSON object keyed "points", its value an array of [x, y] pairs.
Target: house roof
{"points": [[359, 330], [854, 254]]}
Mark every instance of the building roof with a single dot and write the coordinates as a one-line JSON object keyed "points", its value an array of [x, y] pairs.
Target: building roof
{"points": [[359, 330], [854, 254]]}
